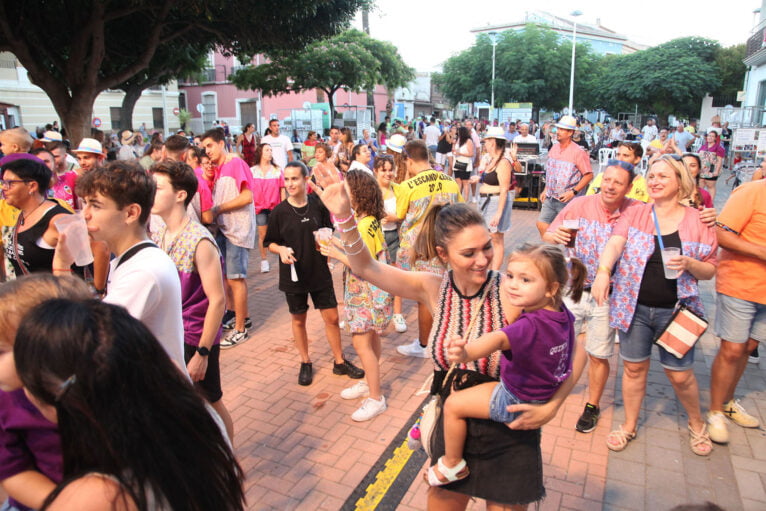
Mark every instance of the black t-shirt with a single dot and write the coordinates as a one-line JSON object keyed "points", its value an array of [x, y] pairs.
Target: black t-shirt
{"points": [[294, 227], [656, 290]]}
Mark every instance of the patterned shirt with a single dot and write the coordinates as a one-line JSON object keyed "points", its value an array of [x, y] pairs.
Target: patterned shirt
{"points": [[565, 168], [596, 224], [698, 241], [453, 314], [194, 301]]}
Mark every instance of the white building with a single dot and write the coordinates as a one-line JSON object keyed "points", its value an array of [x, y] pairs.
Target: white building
{"points": [[754, 102], [24, 104]]}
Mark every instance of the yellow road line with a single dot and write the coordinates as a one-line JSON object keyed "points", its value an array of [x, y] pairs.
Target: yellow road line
{"points": [[385, 478]]}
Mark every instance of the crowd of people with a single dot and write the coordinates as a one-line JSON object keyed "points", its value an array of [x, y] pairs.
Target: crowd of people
{"points": [[419, 212]]}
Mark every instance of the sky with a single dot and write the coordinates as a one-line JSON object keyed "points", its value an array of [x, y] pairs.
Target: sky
{"points": [[428, 32]]}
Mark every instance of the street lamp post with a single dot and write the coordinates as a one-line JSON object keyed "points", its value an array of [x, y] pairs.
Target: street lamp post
{"points": [[574, 14], [493, 40]]}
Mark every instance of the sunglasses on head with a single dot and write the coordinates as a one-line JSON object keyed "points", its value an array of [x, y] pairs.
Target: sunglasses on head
{"points": [[622, 164]]}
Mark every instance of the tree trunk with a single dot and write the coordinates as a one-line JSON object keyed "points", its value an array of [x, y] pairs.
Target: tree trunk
{"points": [[132, 95], [76, 113], [331, 101]]}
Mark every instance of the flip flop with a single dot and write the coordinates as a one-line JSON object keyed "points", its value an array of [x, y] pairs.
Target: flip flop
{"points": [[446, 474]]}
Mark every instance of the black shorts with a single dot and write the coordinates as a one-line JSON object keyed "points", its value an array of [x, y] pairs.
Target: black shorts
{"points": [[210, 385], [298, 303], [462, 174]]}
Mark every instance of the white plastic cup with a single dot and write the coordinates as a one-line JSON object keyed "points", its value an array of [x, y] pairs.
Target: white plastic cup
{"points": [[667, 254], [77, 240], [323, 236]]}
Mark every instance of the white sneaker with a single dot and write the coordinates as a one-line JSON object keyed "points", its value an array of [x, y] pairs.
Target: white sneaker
{"points": [[360, 389], [399, 324], [717, 427], [265, 266], [413, 349], [370, 408]]}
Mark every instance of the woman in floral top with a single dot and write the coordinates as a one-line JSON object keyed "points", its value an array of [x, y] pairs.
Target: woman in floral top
{"points": [[643, 300]]}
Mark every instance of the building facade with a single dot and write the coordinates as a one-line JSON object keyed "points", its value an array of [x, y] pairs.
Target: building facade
{"points": [[212, 97], [602, 40], [24, 104]]}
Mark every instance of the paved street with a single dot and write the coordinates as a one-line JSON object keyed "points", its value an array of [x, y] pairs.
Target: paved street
{"points": [[300, 449]]}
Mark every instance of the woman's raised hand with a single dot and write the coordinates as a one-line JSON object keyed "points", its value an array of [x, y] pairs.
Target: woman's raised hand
{"points": [[332, 192]]}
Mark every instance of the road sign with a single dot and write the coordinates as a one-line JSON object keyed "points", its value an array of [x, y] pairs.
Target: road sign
{"points": [[96, 122], [176, 111]]}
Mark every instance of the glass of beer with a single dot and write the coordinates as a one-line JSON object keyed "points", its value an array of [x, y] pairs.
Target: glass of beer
{"points": [[572, 226]]}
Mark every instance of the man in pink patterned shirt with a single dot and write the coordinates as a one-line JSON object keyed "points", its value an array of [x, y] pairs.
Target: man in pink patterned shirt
{"points": [[596, 215], [567, 173]]}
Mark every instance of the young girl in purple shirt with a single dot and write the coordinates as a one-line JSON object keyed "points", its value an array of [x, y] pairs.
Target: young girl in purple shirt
{"points": [[30, 445], [537, 352]]}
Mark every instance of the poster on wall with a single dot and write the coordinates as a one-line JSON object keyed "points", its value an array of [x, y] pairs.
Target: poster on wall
{"points": [[746, 139]]}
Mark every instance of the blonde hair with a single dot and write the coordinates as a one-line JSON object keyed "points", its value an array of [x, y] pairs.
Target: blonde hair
{"points": [[17, 297], [686, 185], [20, 137]]}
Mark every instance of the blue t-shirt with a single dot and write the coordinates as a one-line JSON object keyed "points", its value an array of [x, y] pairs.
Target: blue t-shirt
{"points": [[540, 358]]}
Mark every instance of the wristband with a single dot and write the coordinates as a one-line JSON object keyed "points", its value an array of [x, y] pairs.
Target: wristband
{"points": [[344, 220], [350, 229], [358, 239], [362, 247], [601, 267]]}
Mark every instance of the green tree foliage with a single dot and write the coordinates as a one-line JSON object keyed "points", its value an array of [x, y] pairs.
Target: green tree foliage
{"points": [[732, 70], [530, 65], [76, 49], [170, 63], [671, 78], [351, 60]]}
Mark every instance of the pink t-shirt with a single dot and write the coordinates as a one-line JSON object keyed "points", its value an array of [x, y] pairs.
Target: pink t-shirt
{"points": [[266, 187], [204, 191], [64, 188], [239, 225]]}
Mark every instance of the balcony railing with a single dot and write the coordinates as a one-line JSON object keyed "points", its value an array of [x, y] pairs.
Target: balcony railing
{"points": [[755, 42]]}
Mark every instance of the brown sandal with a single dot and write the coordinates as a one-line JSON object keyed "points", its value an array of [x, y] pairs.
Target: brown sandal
{"points": [[700, 443], [618, 439]]}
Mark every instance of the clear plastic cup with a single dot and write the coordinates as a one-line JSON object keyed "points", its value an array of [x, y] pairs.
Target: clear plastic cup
{"points": [[77, 240], [323, 237], [667, 254]]}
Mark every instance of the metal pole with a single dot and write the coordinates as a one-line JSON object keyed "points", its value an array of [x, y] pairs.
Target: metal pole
{"points": [[571, 74], [492, 104]]}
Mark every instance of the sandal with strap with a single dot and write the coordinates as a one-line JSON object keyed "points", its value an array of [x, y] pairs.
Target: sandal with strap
{"points": [[700, 443], [446, 474], [618, 439]]}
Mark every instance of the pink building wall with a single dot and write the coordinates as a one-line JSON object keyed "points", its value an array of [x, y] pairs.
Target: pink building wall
{"points": [[227, 96]]}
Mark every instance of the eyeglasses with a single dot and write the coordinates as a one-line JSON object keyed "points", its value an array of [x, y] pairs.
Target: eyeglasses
{"points": [[672, 156], [622, 164], [6, 183]]}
